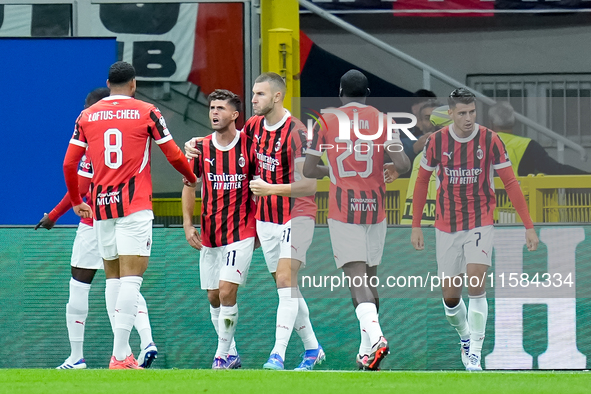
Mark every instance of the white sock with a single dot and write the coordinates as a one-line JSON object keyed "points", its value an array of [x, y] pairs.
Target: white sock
{"points": [[111, 293], [76, 313], [287, 311], [456, 316], [365, 345], [215, 315], [142, 322], [367, 314], [303, 325], [227, 327], [477, 315], [125, 314]]}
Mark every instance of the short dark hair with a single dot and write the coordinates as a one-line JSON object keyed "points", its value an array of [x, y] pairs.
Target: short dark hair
{"points": [[502, 115], [422, 95], [223, 94], [460, 96], [429, 104], [120, 73], [273, 79], [95, 96], [354, 84]]}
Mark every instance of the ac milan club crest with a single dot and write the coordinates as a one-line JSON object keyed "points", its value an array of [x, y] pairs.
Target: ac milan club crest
{"points": [[479, 153], [241, 161]]}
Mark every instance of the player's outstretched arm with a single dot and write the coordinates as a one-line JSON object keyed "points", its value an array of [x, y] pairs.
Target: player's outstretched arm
{"points": [[46, 222], [516, 196], [300, 188], [49, 219], [419, 199], [313, 165], [303, 186], [188, 204], [399, 158], [390, 173], [175, 156], [313, 168], [73, 156], [395, 151]]}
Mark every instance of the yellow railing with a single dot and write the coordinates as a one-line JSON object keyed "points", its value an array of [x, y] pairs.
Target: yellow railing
{"points": [[550, 199]]}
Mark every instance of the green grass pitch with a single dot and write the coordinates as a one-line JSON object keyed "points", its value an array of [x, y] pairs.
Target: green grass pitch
{"points": [[258, 381]]}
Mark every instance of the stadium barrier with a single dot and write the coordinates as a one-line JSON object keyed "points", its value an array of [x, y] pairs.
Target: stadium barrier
{"points": [[529, 327], [550, 199]]}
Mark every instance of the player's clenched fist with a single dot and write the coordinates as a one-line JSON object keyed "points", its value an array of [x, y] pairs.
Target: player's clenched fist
{"points": [[83, 210], [260, 187], [416, 238]]}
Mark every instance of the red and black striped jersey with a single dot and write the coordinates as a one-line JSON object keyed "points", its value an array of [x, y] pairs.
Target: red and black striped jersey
{"points": [[117, 132], [356, 166], [227, 204], [278, 148], [465, 169]]}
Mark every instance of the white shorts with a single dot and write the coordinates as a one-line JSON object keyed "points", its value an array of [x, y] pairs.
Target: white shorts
{"points": [[277, 241], [302, 234], [455, 250], [229, 263], [85, 253], [127, 236], [357, 242]]}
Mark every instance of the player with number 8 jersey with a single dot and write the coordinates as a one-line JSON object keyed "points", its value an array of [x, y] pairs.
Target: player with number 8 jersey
{"points": [[114, 129], [116, 135]]}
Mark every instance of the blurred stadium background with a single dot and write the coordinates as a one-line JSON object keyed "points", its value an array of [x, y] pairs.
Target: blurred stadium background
{"points": [[531, 53]]}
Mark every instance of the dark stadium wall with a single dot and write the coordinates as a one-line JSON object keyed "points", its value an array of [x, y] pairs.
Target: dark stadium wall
{"points": [[321, 72], [531, 332], [45, 81], [503, 44]]}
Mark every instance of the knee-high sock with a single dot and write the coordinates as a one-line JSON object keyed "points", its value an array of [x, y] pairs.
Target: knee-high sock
{"points": [[365, 345], [142, 322], [125, 314], [215, 315], [111, 293], [368, 319], [76, 313], [287, 311], [226, 329], [477, 315], [457, 317], [303, 326]]}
